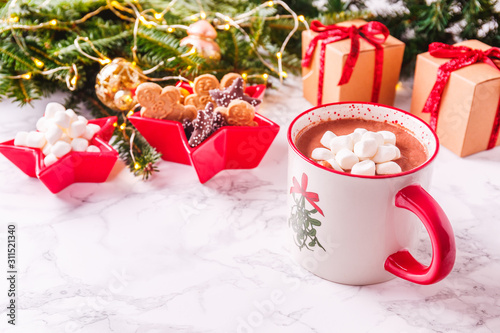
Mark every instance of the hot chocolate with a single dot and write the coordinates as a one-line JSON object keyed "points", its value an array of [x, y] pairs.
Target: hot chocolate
{"points": [[409, 154]]}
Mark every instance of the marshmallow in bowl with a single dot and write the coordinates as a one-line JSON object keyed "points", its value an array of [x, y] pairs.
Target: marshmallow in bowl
{"points": [[59, 132], [366, 168], [366, 148], [346, 158], [93, 149], [90, 130], [327, 138], [373, 135], [60, 148], [50, 159], [341, 142], [35, 140], [385, 153], [362, 152], [62, 119], [79, 144], [388, 168], [53, 134], [21, 139], [77, 129], [52, 108], [389, 137], [322, 154]]}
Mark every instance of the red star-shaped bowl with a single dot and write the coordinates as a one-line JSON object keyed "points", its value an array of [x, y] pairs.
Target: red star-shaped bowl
{"points": [[230, 147], [81, 167]]}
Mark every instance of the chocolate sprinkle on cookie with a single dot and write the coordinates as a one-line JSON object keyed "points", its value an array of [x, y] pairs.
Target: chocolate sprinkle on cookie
{"points": [[206, 123], [234, 91], [187, 124]]}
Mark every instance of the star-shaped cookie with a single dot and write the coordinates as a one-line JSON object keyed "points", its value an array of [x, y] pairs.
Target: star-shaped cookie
{"points": [[234, 91], [206, 123]]}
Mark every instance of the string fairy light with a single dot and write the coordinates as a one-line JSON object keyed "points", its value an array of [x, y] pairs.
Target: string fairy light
{"points": [[12, 21], [103, 60], [244, 17], [141, 17], [12, 25], [71, 81], [131, 11]]}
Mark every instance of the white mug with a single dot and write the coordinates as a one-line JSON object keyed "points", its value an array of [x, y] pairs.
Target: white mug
{"points": [[360, 230]]}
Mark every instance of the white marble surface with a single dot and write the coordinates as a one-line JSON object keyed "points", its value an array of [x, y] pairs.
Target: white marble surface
{"points": [[172, 255]]}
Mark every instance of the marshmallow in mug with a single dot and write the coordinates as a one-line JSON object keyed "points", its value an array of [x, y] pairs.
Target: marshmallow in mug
{"points": [[363, 152], [59, 132]]}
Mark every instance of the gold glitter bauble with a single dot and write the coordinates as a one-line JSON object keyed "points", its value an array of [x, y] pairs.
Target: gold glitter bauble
{"points": [[124, 100], [116, 83]]}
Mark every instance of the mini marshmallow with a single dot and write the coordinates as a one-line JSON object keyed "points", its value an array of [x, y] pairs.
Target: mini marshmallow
{"points": [[42, 124], [366, 148], [46, 149], [365, 168], [60, 148], [52, 108], [334, 165], [21, 139], [373, 135], [356, 137], [385, 153], [93, 149], [346, 158], [72, 115], [389, 137], [83, 119], [360, 131], [49, 159], [76, 129], [65, 137], [62, 119], [53, 134], [398, 153], [90, 130], [327, 138], [35, 139], [388, 168], [79, 144], [341, 142], [322, 154]]}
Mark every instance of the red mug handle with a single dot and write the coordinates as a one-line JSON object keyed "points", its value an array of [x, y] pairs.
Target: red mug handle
{"points": [[402, 264]]}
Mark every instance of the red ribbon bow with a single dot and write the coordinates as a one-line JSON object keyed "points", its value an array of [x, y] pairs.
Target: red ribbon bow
{"points": [[461, 56], [310, 196], [333, 33]]}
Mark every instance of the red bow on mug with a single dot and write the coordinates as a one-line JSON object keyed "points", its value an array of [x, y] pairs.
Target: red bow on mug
{"points": [[333, 33], [461, 56], [310, 196]]}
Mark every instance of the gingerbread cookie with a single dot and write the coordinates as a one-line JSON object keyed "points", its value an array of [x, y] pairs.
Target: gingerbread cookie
{"points": [[163, 103], [234, 91], [202, 86], [228, 79], [207, 122], [238, 113]]}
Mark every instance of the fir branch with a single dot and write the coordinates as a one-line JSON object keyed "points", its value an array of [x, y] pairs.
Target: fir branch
{"points": [[134, 150], [108, 42]]}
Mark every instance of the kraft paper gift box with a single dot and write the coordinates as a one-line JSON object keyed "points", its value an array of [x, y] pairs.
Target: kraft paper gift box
{"points": [[469, 102], [360, 85]]}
